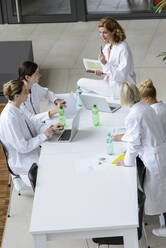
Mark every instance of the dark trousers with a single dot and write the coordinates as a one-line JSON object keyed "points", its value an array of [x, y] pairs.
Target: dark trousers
{"points": [[164, 217]]}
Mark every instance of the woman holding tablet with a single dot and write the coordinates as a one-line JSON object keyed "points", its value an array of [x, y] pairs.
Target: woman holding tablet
{"points": [[116, 59]]}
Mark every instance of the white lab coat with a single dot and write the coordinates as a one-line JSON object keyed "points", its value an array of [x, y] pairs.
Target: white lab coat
{"points": [[23, 149], [145, 137], [32, 106], [118, 69], [160, 109]]}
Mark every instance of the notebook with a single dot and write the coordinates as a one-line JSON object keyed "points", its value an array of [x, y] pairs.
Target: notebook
{"points": [[118, 158], [91, 65], [103, 106]]}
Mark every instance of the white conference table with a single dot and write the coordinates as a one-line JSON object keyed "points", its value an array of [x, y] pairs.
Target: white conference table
{"points": [[73, 201]]}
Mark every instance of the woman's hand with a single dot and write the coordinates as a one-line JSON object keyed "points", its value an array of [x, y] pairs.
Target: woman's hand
{"points": [[58, 102], [49, 132], [120, 162], [52, 129], [58, 126], [102, 59], [98, 73], [118, 137]]}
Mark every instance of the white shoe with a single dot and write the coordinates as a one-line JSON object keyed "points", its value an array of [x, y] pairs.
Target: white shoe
{"points": [[160, 232]]}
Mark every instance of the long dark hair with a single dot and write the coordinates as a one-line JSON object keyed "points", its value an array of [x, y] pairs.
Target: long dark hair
{"points": [[26, 68]]}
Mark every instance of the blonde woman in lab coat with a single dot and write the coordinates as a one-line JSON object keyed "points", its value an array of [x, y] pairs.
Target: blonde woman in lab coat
{"points": [[145, 137], [29, 71], [21, 136], [116, 59], [149, 96]]}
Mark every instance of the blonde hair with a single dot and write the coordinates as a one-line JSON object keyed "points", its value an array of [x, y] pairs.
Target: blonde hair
{"points": [[113, 26], [147, 89], [12, 88], [129, 94]]}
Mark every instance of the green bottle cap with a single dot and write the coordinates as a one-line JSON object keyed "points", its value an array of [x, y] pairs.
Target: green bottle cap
{"points": [[61, 107], [94, 105]]}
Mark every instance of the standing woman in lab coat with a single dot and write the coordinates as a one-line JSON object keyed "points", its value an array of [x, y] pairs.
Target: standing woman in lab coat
{"points": [[116, 59], [21, 136], [145, 137], [149, 96], [29, 71]]}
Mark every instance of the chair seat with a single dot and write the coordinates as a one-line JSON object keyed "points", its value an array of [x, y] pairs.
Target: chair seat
{"points": [[109, 240], [32, 175], [21, 183]]}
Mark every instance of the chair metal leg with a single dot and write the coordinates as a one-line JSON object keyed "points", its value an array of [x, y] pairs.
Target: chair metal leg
{"points": [[86, 243], [162, 220], [10, 197], [146, 239], [140, 244], [9, 181]]}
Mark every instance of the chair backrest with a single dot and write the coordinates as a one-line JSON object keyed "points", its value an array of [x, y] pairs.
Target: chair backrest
{"points": [[6, 156], [32, 175], [20, 184], [141, 172]]}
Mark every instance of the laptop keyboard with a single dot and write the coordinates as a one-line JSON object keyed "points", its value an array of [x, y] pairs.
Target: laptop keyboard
{"points": [[65, 135]]}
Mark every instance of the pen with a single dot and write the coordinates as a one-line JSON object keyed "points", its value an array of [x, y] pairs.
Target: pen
{"points": [[101, 49]]}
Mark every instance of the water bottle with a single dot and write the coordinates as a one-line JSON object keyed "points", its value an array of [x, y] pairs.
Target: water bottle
{"points": [[78, 93], [95, 116], [110, 148], [62, 118]]}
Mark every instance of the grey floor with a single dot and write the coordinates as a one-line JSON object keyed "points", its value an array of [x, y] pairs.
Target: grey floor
{"points": [[59, 50]]}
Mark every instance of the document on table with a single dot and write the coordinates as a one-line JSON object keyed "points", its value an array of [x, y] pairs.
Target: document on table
{"points": [[102, 161], [71, 107], [117, 130]]}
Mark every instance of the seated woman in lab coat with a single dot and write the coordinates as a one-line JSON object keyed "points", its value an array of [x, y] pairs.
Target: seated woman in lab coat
{"points": [[145, 137], [29, 71], [21, 136], [149, 96], [116, 59]]}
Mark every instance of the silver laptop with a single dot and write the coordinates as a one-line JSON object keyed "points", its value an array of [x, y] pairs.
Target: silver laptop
{"points": [[68, 134], [103, 106]]}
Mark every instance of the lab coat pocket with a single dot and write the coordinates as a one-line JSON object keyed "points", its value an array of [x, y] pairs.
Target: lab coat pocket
{"points": [[160, 157], [150, 161]]}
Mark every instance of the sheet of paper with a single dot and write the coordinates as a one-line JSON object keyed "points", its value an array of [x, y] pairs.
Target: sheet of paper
{"points": [[117, 130], [100, 162], [71, 107]]}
